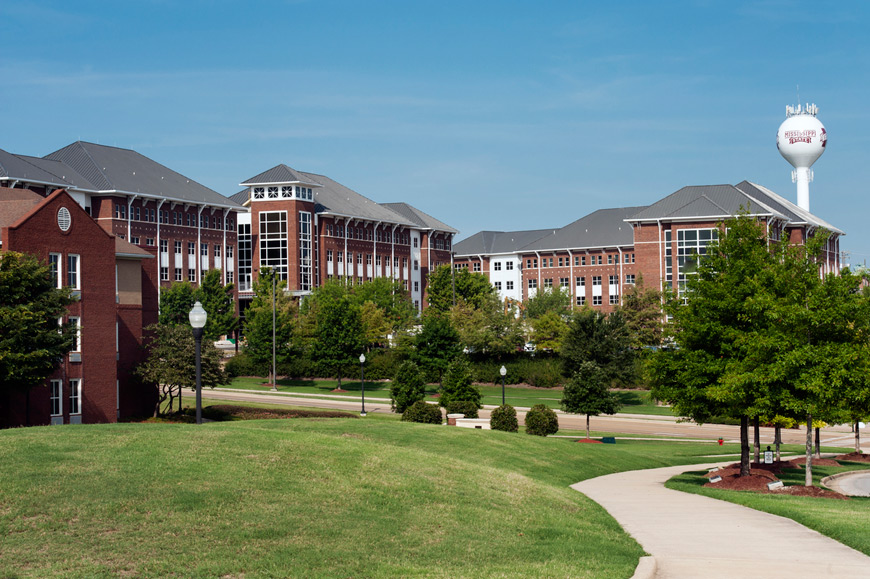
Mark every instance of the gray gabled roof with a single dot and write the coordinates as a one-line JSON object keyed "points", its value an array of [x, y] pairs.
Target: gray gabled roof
{"points": [[23, 168], [794, 213], [112, 169], [715, 202], [497, 242], [702, 202], [602, 228], [421, 219], [279, 174], [333, 198], [241, 197]]}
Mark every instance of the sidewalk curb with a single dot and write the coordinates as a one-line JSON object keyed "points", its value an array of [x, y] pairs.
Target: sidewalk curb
{"points": [[646, 568]]}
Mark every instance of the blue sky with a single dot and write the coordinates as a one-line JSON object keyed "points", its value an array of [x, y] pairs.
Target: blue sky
{"points": [[488, 115]]}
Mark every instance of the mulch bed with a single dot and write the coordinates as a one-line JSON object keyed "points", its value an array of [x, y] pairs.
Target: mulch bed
{"points": [[248, 413], [589, 441], [761, 474], [855, 457], [816, 461]]}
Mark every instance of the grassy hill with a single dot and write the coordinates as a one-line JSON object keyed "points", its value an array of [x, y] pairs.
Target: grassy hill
{"points": [[309, 497]]}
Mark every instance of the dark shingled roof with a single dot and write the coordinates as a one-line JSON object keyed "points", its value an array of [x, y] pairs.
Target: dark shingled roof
{"points": [[279, 174], [602, 228], [494, 242], [333, 198], [22, 168], [109, 169], [422, 220], [241, 197]]}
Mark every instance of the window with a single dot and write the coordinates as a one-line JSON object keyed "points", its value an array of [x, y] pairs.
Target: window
{"points": [[614, 299], [416, 265], [217, 251], [508, 285], [405, 262], [551, 262], [273, 241], [560, 262], [476, 266], [328, 255], [359, 258], [191, 275], [596, 280], [75, 396], [576, 260], [191, 249], [368, 259], [73, 277], [272, 192], [120, 211], [54, 268], [177, 248], [416, 286], [596, 300], [528, 264], [509, 265], [533, 284], [134, 239], [230, 278], [563, 281], [612, 280], [415, 242], [164, 273], [609, 259], [340, 255], [164, 246], [581, 300], [629, 278], [581, 281], [76, 326], [56, 396], [287, 192], [377, 261], [691, 244], [496, 266], [548, 282], [229, 252], [178, 276], [134, 213], [396, 262], [259, 192], [417, 305], [497, 285]]}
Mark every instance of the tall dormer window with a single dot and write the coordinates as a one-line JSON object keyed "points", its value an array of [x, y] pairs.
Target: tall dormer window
{"points": [[259, 192]]}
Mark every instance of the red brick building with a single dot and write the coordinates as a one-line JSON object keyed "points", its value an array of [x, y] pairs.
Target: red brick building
{"points": [[107, 274], [311, 229], [598, 256]]}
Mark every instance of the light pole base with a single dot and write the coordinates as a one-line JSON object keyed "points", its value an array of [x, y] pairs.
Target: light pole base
{"points": [[363, 413]]}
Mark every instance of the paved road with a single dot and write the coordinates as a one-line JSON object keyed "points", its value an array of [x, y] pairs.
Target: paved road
{"points": [[640, 425], [856, 484], [691, 536]]}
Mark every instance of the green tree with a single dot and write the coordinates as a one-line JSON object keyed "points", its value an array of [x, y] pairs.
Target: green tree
{"points": [[489, 329], [340, 337], [408, 387], [541, 421], [217, 300], [721, 333], [175, 304], [436, 344], [376, 325], [549, 300], [642, 308], [171, 363], [548, 331], [448, 287], [31, 342], [587, 393], [458, 386], [603, 339], [259, 324], [391, 297]]}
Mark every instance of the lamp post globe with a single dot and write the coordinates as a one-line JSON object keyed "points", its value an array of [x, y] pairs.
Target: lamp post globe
{"points": [[503, 372], [362, 374], [198, 318]]}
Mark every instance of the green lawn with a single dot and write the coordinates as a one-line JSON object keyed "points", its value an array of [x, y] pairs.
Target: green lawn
{"points": [[310, 497], [634, 401], [844, 521]]}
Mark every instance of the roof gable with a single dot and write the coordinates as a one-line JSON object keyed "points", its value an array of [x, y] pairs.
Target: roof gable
{"points": [[279, 174]]}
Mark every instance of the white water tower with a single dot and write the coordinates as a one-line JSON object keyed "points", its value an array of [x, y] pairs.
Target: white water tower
{"points": [[801, 139]]}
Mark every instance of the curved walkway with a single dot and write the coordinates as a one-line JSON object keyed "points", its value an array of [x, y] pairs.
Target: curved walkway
{"points": [[694, 536]]}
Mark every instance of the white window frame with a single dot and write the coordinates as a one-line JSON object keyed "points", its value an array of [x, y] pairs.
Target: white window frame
{"points": [[75, 396], [54, 266], [74, 274], [76, 322], [56, 397]]}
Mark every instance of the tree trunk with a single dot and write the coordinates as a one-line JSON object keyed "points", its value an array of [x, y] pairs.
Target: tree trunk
{"points": [[777, 439], [180, 390], [818, 442], [756, 435], [587, 427], [808, 481], [339, 379], [857, 438], [744, 446]]}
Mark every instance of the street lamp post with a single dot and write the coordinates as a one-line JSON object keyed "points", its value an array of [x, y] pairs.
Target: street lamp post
{"points": [[503, 372], [362, 374], [197, 318], [274, 369]]}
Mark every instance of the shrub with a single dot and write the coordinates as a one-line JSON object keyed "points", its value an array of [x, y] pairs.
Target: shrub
{"points": [[457, 385], [545, 373], [241, 365], [420, 411], [504, 418], [382, 364], [469, 409], [407, 387], [541, 421]]}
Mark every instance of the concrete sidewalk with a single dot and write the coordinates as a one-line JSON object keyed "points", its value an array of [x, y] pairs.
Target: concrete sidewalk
{"points": [[692, 536]]}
